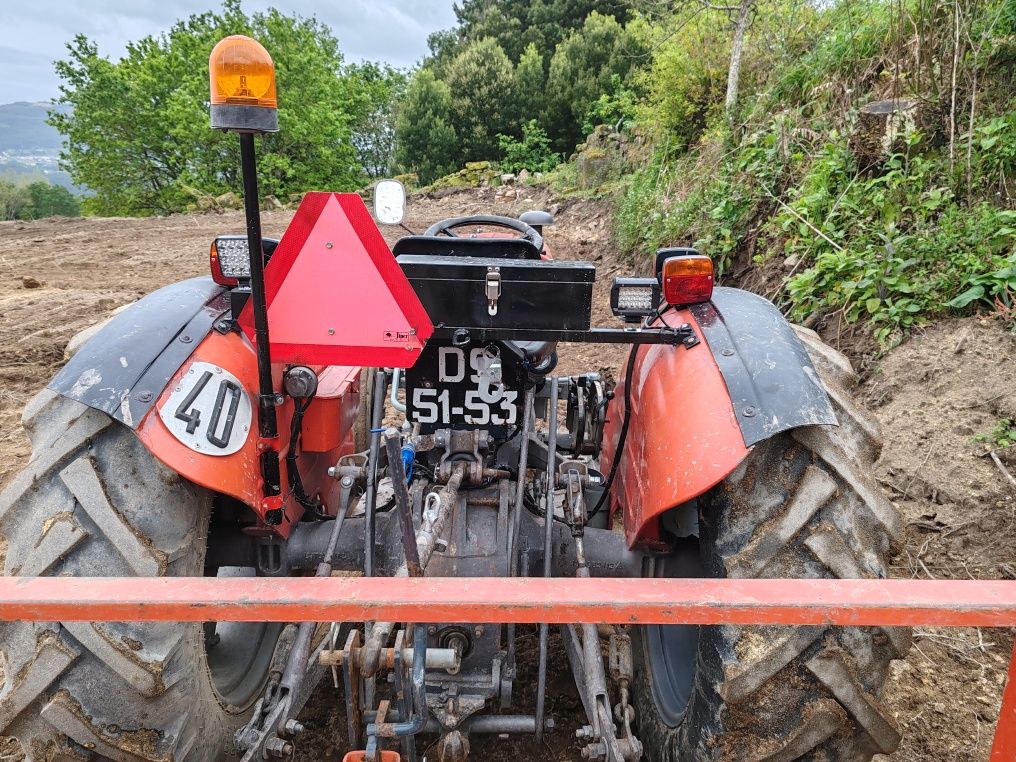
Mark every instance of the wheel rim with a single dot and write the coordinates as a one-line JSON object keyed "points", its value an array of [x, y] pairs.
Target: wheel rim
{"points": [[239, 654], [671, 651]]}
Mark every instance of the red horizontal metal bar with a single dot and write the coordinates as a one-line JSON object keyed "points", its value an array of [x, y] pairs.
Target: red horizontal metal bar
{"points": [[499, 600]]}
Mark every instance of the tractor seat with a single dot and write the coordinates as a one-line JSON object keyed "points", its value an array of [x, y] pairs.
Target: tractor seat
{"points": [[448, 246]]}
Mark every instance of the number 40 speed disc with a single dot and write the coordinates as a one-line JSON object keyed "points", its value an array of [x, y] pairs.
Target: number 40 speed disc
{"points": [[209, 410]]}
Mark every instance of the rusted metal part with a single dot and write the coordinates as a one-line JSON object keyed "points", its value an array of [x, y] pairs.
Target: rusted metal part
{"points": [[520, 483], [351, 683], [585, 656], [415, 723], [376, 418], [548, 550], [858, 602], [393, 445], [296, 665], [426, 541], [437, 658]]}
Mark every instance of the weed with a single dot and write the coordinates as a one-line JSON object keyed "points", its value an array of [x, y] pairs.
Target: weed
{"points": [[1003, 435]]}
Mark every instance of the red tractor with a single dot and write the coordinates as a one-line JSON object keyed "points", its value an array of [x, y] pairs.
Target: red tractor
{"points": [[250, 423]]}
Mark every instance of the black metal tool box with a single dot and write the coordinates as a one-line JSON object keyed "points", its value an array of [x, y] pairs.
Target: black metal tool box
{"points": [[483, 292]]}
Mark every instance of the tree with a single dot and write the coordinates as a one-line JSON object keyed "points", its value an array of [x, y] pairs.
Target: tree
{"points": [[35, 200], [14, 201], [531, 81], [588, 63], [516, 24], [51, 201], [426, 140], [377, 87], [688, 74], [736, 52], [481, 81], [137, 129]]}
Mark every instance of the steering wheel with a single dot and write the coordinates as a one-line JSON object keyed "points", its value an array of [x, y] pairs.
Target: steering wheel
{"points": [[526, 232]]}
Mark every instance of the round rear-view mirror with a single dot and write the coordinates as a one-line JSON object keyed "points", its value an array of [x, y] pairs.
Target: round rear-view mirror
{"points": [[389, 202]]}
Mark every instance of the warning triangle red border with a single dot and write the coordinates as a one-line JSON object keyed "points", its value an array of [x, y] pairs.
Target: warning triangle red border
{"points": [[285, 255]]}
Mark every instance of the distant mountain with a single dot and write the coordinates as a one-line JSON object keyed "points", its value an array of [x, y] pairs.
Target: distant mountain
{"points": [[23, 128], [30, 148]]}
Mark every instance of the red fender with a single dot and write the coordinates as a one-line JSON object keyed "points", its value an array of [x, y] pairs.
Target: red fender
{"points": [[683, 438], [327, 432]]}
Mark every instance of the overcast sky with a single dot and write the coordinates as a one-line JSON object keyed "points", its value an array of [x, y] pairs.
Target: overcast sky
{"points": [[33, 34]]}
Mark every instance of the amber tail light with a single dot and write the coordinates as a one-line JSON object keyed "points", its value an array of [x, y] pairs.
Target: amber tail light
{"points": [[687, 280]]}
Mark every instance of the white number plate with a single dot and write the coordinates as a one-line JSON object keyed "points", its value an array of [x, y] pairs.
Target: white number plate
{"points": [[209, 410]]}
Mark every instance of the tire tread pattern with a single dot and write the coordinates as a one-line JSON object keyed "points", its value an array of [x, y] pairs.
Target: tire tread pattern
{"points": [[802, 505], [88, 504]]}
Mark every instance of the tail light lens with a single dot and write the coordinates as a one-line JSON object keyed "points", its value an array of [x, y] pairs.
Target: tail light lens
{"points": [[687, 280]]}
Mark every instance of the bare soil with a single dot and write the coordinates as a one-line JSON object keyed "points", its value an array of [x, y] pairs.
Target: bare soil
{"points": [[933, 395]]}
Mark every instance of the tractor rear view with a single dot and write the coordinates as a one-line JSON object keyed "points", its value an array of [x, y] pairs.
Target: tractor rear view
{"points": [[322, 404]]}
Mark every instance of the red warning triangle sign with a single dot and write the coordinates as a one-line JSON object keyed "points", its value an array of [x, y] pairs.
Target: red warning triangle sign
{"points": [[336, 295]]}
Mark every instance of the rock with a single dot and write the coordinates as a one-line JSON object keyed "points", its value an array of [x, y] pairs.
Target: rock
{"points": [[29, 282], [524, 175], [228, 200], [409, 179], [604, 157], [271, 203], [476, 174], [508, 178], [889, 127]]}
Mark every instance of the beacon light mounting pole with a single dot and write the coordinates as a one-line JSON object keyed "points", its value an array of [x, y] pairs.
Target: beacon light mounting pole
{"points": [[243, 100]]}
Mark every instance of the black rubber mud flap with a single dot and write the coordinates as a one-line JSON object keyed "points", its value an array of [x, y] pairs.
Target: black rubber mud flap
{"points": [[772, 382], [124, 368]]}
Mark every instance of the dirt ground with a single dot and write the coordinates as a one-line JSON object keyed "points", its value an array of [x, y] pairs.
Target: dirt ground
{"points": [[933, 395]]}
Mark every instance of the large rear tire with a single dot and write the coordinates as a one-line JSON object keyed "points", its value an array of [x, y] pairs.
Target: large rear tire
{"points": [[803, 505], [94, 502]]}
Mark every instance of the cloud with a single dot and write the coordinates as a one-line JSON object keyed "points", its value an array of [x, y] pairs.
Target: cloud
{"points": [[32, 37]]}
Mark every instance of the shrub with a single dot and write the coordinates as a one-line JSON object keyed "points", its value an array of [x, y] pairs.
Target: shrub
{"points": [[532, 152]]}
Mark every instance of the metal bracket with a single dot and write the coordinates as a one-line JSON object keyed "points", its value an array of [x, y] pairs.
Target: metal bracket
{"points": [[683, 335]]}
